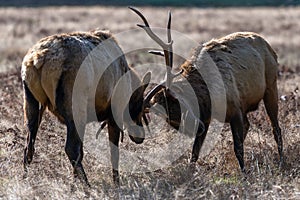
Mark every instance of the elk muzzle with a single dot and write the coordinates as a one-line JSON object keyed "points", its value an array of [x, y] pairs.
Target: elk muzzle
{"points": [[136, 133]]}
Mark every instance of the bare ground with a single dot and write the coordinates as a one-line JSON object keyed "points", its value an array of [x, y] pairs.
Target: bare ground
{"points": [[215, 176]]}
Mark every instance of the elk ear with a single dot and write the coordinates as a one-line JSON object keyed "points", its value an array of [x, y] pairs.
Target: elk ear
{"points": [[146, 80]]}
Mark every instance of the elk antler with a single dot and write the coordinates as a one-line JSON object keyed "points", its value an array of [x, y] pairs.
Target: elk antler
{"points": [[167, 53]]}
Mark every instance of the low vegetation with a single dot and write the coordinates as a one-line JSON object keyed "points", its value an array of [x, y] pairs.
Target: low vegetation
{"points": [[214, 176]]}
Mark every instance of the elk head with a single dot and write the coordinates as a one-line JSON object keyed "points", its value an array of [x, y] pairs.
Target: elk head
{"points": [[167, 99], [136, 108]]}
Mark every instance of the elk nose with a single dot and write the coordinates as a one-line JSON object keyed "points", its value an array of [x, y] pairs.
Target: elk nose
{"points": [[137, 140]]}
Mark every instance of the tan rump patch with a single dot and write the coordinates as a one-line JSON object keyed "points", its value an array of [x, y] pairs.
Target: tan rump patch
{"points": [[32, 79], [50, 76]]}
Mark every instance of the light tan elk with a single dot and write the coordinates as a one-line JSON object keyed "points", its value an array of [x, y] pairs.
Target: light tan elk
{"points": [[248, 68], [49, 73]]}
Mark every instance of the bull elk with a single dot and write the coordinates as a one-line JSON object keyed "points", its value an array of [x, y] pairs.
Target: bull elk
{"points": [[248, 69], [49, 73]]}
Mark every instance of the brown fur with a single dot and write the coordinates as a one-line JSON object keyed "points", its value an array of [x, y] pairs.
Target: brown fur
{"points": [[49, 71], [45, 61], [248, 68]]}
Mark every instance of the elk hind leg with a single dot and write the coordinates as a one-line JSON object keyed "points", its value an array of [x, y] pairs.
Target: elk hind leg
{"points": [[237, 129], [271, 104], [32, 117]]}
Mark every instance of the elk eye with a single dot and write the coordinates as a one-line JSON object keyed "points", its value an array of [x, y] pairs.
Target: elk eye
{"points": [[152, 101]]}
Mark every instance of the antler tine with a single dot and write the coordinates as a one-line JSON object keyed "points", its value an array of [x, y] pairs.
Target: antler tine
{"points": [[148, 30], [167, 47], [169, 54], [169, 28], [139, 14]]}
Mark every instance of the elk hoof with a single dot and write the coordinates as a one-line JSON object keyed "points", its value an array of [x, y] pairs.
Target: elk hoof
{"points": [[28, 155], [116, 177], [192, 167], [281, 164], [80, 174], [243, 170], [194, 158]]}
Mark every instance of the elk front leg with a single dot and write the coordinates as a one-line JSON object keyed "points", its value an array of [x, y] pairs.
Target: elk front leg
{"points": [[74, 151], [32, 118], [246, 126], [237, 129], [198, 144], [72, 108], [114, 136]]}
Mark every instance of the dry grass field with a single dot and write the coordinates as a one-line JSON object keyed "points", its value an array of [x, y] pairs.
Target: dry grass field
{"points": [[215, 176]]}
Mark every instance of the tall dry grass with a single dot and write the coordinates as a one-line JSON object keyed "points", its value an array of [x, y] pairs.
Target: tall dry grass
{"points": [[22, 27], [215, 176]]}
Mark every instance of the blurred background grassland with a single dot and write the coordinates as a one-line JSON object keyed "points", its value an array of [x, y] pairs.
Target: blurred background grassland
{"points": [[194, 3], [215, 176]]}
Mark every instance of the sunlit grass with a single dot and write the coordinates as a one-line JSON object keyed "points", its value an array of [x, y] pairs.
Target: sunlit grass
{"points": [[215, 176]]}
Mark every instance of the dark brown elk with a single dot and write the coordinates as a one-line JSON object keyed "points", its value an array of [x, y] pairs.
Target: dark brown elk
{"points": [[74, 76], [247, 68]]}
